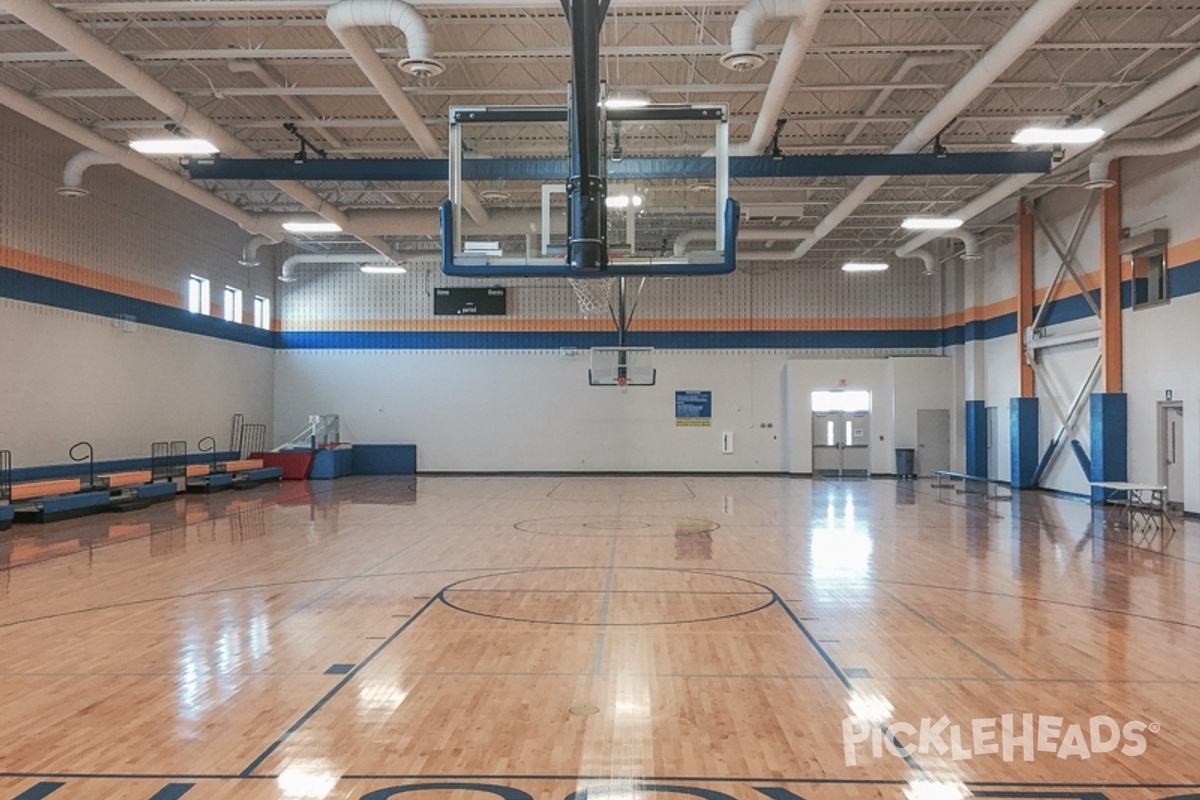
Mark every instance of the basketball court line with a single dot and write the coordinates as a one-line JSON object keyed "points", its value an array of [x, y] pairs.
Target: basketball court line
{"points": [[983, 660], [439, 597], [424, 781], [598, 657], [349, 676]]}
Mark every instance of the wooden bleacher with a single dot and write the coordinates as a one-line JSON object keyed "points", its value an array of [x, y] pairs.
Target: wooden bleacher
{"points": [[116, 480], [30, 490]]}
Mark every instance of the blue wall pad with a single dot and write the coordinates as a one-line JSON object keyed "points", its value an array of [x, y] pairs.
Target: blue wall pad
{"points": [[977, 439], [156, 491], [1023, 437], [6, 517], [1109, 420], [332, 463], [385, 459]]}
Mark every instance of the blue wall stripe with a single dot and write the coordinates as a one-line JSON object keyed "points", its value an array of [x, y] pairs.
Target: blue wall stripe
{"points": [[550, 340], [17, 285], [29, 288]]}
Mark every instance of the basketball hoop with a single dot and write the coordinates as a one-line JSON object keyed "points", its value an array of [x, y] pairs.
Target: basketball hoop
{"points": [[593, 294], [622, 381]]}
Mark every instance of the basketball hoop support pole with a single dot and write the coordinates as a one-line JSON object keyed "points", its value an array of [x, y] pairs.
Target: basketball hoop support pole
{"points": [[587, 214], [622, 330]]}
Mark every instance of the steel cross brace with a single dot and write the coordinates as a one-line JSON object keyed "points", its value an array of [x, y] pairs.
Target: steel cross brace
{"points": [[1068, 263]]}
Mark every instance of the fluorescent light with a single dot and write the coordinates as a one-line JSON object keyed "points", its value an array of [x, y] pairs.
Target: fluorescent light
{"points": [[383, 269], [1057, 135], [312, 227], [931, 223], [623, 201], [174, 146], [627, 101], [864, 266]]}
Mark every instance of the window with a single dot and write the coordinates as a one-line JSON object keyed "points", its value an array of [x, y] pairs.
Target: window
{"points": [[841, 400], [1149, 277], [198, 295], [233, 304], [262, 313]]}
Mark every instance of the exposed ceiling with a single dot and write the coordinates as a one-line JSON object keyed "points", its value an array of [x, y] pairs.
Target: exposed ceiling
{"points": [[871, 72]]}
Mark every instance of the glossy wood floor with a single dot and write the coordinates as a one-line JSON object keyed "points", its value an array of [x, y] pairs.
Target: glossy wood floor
{"points": [[533, 637]]}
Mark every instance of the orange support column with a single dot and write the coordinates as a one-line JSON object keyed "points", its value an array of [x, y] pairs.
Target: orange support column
{"points": [[1110, 279], [1024, 291]]}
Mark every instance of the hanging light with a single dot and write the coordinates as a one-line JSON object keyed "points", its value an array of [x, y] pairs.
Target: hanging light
{"points": [[931, 223], [173, 146], [301, 226], [1035, 135]]}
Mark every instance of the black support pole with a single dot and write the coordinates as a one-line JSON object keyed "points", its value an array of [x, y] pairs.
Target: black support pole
{"points": [[587, 217]]}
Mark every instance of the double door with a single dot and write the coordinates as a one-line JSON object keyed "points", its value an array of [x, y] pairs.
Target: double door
{"points": [[841, 443]]}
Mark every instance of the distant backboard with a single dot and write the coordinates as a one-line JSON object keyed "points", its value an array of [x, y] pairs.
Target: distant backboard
{"points": [[622, 366], [668, 208]]}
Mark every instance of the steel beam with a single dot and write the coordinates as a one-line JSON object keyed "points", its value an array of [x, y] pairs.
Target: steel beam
{"points": [[629, 168]]}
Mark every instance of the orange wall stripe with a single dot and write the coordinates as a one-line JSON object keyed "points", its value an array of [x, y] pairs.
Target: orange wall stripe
{"points": [[46, 267]]}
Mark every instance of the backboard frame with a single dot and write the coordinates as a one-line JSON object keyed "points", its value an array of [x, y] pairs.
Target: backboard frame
{"points": [[458, 260]]}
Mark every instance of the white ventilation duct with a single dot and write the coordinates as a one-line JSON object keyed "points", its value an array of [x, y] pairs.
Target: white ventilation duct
{"points": [[250, 250], [1098, 168], [350, 14], [59, 28], [927, 259], [72, 185], [970, 244], [742, 55], [685, 240], [345, 18], [124, 157], [287, 272], [1020, 37], [1156, 94]]}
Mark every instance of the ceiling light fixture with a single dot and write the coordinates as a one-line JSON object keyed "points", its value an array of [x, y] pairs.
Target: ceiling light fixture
{"points": [[382, 269], [1036, 135], [627, 100], [931, 223], [173, 146], [623, 201], [864, 266], [312, 227]]}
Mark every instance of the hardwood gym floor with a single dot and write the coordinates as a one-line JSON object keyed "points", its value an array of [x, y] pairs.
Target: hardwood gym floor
{"points": [[533, 637]]}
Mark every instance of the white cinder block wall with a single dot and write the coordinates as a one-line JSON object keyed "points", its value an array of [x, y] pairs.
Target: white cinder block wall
{"points": [[1158, 355], [498, 402], [73, 375]]}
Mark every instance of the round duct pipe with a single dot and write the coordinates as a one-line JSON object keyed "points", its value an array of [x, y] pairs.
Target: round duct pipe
{"points": [[73, 172]]}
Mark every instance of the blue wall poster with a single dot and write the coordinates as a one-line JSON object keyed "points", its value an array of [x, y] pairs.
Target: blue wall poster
{"points": [[693, 409]]}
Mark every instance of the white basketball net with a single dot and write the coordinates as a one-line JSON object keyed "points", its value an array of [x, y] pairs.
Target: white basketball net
{"points": [[594, 295]]}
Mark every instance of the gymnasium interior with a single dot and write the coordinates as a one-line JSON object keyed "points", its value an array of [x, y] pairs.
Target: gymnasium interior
{"points": [[603, 398]]}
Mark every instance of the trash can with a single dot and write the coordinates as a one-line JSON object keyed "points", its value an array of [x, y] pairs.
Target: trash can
{"points": [[906, 462]]}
